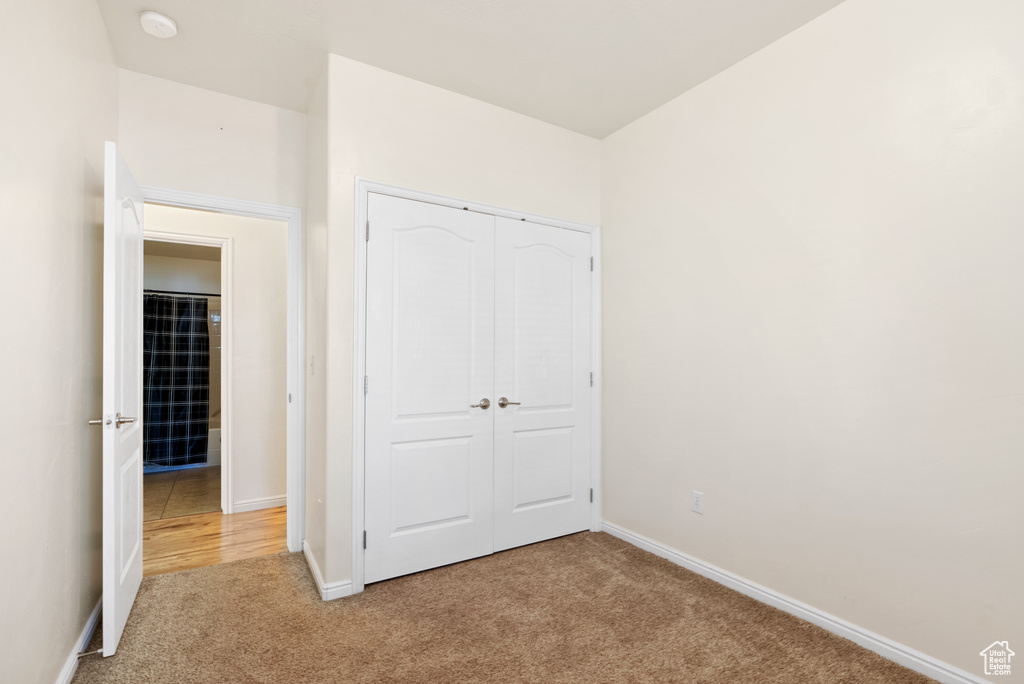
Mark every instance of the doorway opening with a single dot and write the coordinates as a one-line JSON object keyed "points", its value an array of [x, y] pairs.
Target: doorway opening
{"points": [[125, 540], [182, 380], [215, 381]]}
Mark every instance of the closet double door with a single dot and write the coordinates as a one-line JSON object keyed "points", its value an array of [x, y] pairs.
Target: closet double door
{"points": [[478, 387]]}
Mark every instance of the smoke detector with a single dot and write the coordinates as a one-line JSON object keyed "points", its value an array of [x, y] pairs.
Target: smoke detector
{"points": [[159, 25]]}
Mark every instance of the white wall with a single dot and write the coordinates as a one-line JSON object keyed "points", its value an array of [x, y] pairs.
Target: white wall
{"points": [[59, 82], [186, 138], [813, 296], [257, 305], [392, 129], [180, 275]]}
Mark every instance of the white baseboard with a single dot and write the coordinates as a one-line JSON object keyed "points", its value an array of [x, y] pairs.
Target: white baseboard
{"points": [[259, 504], [71, 664], [887, 648], [328, 592]]}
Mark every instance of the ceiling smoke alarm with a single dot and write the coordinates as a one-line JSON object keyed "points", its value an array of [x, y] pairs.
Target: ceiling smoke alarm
{"points": [[159, 25]]}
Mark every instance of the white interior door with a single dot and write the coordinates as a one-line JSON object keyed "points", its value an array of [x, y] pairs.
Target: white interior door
{"points": [[122, 396], [429, 364], [543, 363]]}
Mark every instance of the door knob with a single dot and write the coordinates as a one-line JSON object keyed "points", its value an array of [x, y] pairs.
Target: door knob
{"points": [[485, 404], [503, 402], [121, 421]]}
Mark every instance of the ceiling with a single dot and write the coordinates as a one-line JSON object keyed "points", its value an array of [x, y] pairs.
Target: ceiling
{"points": [[180, 251], [591, 66]]}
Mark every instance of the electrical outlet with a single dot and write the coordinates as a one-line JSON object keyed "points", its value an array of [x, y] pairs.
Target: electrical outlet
{"points": [[697, 502]]}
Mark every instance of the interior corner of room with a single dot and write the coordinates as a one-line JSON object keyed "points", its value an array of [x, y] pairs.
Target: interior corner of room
{"points": [[670, 308]]}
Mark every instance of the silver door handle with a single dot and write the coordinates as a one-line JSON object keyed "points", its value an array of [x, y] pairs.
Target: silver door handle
{"points": [[485, 404], [100, 421], [503, 402], [121, 421]]}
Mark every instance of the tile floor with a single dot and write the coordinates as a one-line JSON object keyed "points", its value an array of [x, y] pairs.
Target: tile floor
{"points": [[180, 492]]}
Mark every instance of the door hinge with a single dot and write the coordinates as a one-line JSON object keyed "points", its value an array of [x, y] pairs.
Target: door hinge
{"points": [[364, 540], [367, 230], [366, 385], [591, 263], [289, 397], [591, 378], [591, 495]]}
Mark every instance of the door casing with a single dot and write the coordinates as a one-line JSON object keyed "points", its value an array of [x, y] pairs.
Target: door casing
{"points": [[363, 189]]}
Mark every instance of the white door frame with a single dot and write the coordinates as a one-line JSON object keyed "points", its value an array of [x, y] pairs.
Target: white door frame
{"points": [[363, 189], [296, 380]]}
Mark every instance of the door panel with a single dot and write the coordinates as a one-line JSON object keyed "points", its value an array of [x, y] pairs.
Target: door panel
{"points": [[130, 525], [122, 396], [430, 484], [541, 467], [543, 361], [538, 303], [430, 338], [433, 301]]}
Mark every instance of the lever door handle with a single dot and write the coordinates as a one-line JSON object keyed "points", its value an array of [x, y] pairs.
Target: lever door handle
{"points": [[503, 402], [485, 404], [121, 421]]}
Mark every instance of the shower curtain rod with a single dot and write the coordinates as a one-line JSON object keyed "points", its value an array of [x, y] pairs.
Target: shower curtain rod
{"points": [[182, 294]]}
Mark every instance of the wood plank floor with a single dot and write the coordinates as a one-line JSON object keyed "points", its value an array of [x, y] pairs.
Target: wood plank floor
{"points": [[194, 541]]}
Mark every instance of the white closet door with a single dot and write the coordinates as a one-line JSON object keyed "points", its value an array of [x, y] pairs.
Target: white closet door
{"points": [[542, 361], [429, 358]]}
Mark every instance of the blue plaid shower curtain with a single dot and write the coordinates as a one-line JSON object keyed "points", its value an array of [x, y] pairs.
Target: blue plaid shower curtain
{"points": [[176, 380]]}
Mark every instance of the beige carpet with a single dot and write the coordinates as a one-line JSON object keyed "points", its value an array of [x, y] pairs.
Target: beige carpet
{"points": [[586, 608]]}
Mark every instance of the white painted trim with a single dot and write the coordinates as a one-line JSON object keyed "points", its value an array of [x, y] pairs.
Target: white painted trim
{"points": [[259, 504], [328, 592], [226, 246], [358, 398], [887, 648], [596, 390], [364, 186], [296, 383], [85, 636], [363, 189]]}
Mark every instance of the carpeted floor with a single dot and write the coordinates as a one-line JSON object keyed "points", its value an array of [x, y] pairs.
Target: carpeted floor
{"points": [[585, 608]]}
